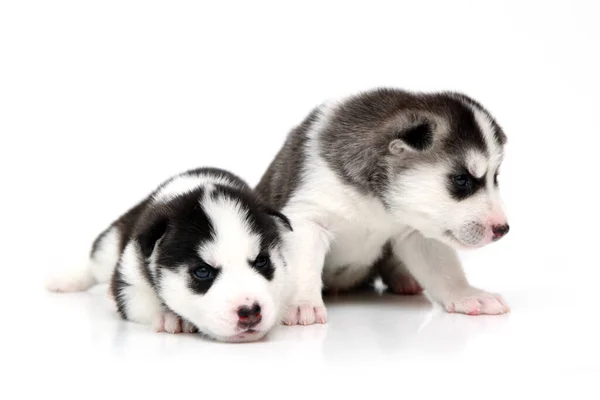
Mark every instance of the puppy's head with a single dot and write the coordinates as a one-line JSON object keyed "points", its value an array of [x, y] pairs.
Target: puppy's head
{"points": [[215, 257], [443, 160]]}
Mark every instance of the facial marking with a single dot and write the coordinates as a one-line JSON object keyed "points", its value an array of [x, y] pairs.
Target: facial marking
{"points": [[202, 276], [186, 183], [476, 164], [233, 241], [486, 128]]}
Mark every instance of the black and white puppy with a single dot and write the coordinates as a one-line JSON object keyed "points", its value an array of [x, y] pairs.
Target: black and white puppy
{"points": [[199, 253], [395, 181]]}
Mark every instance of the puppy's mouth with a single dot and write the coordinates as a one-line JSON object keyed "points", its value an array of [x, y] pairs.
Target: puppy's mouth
{"points": [[247, 335], [459, 243]]}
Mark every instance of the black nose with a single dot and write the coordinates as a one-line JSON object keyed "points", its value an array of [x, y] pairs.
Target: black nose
{"points": [[499, 231], [249, 316]]}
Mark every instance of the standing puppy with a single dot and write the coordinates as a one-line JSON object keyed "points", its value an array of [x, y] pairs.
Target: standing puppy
{"points": [[393, 181], [200, 253]]}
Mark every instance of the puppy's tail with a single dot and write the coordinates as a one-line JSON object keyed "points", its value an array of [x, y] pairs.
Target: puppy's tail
{"points": [[71, 280], [98, 269]]}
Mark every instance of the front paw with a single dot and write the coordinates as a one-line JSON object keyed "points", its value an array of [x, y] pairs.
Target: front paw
{"points": [[306, 313], [474, 301], [171, 323]]}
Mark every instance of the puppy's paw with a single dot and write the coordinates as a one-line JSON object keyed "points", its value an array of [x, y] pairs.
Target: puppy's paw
{"points": [[171, 323], [306, 313], [188, 327], [405, 284], [474, 301]]}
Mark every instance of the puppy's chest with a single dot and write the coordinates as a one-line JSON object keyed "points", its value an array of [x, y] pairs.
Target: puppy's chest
{"points": [[359, 239]]}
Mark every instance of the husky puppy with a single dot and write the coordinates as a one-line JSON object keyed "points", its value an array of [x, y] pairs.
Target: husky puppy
{"points": [[199, 253], [394, 181]]}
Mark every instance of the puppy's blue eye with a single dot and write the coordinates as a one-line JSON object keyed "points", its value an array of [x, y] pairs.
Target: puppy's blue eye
{"points": [[202, 273], [261, 262], [461, 180]]}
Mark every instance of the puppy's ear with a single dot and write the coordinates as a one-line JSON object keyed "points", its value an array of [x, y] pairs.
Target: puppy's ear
{"points": [[151, 234], [413, 138], [282, 218]]}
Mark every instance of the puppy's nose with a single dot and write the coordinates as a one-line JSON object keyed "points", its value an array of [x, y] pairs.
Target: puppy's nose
{"points": [[500, 230], [249, 316]]}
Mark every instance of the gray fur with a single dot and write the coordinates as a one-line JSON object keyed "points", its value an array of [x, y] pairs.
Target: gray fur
{"points": [[283, 175], [356, 141], [361, 142]]}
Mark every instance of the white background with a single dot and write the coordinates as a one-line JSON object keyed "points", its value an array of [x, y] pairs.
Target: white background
{"points": [[101, 101]]}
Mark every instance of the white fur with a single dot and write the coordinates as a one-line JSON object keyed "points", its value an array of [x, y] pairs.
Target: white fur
{"points": [[496, 215], [486, 128], [476, 163], [106, 256], [141, 303], [347, 230], [334, 226], [95, 270], [437, 267], [186, 183], [233, 246], [422, 190], [237, 285], [70, 280], [231, 249], [231, 232]]}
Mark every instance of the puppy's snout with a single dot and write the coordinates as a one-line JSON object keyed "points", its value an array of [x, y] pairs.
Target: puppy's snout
{"points": [[500, 230], [249, 316]]}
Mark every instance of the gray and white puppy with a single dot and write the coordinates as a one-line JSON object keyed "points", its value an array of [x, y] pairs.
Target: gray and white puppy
{"points": [[199, 253], [395, 181]]}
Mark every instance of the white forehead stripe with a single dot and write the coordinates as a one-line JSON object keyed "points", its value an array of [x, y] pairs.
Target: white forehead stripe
{"points": [[234, 242], [487, 129], [186, 183]]}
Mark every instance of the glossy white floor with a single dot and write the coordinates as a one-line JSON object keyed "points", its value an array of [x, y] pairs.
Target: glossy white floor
{"points": [[100, 101], [75, 344]]}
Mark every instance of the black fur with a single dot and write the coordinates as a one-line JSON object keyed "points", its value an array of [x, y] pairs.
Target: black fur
{"points": [[151, 233], [173, 229], [355, 142], [117, 284], [419, 137], [498, 132], [267, 271], [286, 222], [472, 186], [201, 286], [257, 214]]}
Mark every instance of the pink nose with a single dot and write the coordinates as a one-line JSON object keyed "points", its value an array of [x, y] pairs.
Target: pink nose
{"points": [[499, 231]]}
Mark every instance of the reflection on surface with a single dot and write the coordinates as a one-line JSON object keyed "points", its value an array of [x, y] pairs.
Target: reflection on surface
{"points": [[363, 325]]}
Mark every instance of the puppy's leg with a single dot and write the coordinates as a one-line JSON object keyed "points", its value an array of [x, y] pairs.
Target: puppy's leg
{"points": [[395, 275], [137, 300], [143, 307], [98, 269], [139, 304], [308, 245], [437, 268]]}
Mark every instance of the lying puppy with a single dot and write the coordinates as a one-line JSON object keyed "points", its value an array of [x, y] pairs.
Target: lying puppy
{"points": [[200, 253], [392, 181]]}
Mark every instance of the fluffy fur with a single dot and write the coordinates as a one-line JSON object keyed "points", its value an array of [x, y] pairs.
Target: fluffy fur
{"points": [[390, 182], [199, 253]]}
